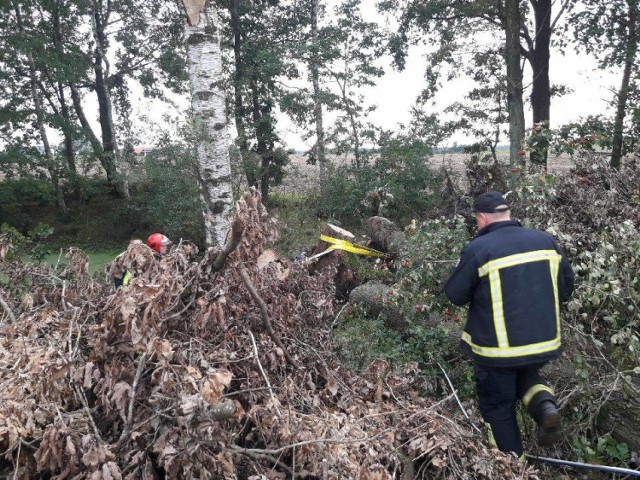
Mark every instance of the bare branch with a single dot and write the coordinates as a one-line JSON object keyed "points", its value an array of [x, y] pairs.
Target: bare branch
{"points": [[264, 311], [264, 375], [233, 240], [7, 309]]}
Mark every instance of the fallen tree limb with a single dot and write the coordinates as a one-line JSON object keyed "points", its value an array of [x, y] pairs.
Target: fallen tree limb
{"points": [[142, 362], [237, 227], [343, 441], [387, 236], [264, 312]]}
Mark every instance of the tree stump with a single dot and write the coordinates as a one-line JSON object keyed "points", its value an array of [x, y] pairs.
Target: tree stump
{"points": [[387, 236], [345, 278]]}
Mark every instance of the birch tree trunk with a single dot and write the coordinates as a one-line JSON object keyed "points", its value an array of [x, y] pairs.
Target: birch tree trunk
{"points": [[210, 123]]}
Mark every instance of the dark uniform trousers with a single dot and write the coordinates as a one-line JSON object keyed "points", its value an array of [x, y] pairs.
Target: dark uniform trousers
{"points": [[499, 388]]}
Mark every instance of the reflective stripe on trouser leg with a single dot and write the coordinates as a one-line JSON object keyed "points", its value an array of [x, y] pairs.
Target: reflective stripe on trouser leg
{"points": [[490, 438], [534, 397], [534, 391]]}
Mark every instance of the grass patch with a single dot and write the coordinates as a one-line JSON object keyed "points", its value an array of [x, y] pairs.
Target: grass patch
{"points": [[299, 226], [97, 259]]}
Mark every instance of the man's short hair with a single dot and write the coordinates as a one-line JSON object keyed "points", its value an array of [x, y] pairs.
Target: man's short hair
{"points": [[491, 202]]}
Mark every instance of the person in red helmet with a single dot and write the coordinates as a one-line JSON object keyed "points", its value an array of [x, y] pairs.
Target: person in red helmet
{"points": [[158, 242], [121, 276]]}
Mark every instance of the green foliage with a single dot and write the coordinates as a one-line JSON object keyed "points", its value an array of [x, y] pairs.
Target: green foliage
{"points": [[601, 450], [577, 138], [361, 339], [484, 111], [27, 190], [429, 338], [166, 199], [398, 185], [298, 228], [29, 245]]}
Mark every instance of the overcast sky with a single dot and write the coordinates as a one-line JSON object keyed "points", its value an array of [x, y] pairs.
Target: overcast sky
{"points": [[396, 92]]}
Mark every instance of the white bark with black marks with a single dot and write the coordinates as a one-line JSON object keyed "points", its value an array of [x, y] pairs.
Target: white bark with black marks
{"points": [[210, 122]]}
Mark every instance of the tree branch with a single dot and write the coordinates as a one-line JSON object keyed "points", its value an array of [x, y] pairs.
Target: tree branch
{"points": [[237, 227], [264, 311], [142, 362], [7, 309]]}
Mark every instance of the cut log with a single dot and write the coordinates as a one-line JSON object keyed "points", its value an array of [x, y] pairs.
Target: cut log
{"points": [[621, 418], [371, 296], [387, 236], [345, 279]]}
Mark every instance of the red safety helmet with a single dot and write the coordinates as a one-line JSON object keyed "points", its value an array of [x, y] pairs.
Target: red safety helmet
{"points": [[157, 240]]}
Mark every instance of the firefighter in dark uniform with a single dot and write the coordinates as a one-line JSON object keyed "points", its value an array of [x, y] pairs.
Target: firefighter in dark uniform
{"points": [[513, 279]]}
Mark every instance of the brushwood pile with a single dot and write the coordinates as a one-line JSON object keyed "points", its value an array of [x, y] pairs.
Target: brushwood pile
{"points": [[187, 374]]}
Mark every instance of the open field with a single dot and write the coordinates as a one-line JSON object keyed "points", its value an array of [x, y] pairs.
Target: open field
{"points": [[301, 177]]}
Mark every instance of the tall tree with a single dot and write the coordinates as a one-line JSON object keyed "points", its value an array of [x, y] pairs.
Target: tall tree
{"points": [[261, 35], [314, 67], [91, 47], [441, 19], [483, 112], [21, 42], [341, 57], [210, 124], [608, 29], [514, 81]]}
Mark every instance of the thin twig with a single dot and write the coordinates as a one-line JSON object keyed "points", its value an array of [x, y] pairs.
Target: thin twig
{"points": [[264, 311], [15, 473], [7, 309], [264, 375], [239, 392], [85, 404], [142, 362], [339, 313], [455, 394], [340, 441]]}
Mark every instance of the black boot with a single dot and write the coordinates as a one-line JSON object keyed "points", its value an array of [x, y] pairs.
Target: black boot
{"points": [[548, 420]]}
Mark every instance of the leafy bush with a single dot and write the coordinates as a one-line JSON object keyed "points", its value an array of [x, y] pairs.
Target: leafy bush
{"points": [[577, 137], [27, 190], [431, 336], [166, 199], [29, 245], [398, 184]]}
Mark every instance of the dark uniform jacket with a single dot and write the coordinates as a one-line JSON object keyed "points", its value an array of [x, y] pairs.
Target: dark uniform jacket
{"points": [[514, 279]]}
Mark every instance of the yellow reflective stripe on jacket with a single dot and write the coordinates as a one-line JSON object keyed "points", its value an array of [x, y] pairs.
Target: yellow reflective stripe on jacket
{"points": [[498, 310], [492, 269], [533, 391], [555, 268], [517, 259], [127, 278], [508, 352]]}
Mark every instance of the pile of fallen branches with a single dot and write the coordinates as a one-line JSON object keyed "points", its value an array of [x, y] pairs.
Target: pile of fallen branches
{"points": [[220, 368]]}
